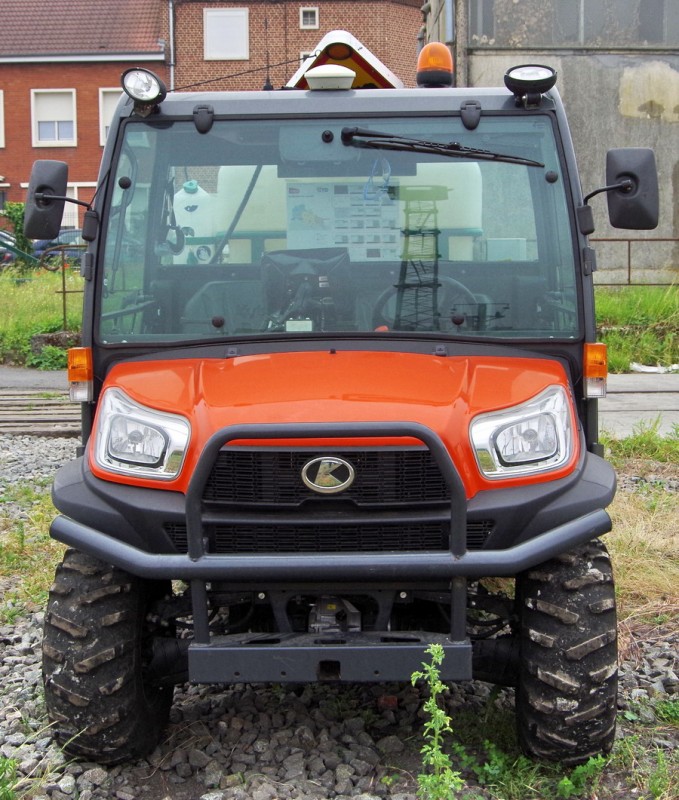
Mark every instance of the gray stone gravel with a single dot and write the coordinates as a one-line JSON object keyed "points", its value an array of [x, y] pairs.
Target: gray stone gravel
{"points": [[249, 742]]}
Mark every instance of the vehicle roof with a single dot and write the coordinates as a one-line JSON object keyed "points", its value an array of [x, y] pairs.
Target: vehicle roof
{"points": [[410, 102]]}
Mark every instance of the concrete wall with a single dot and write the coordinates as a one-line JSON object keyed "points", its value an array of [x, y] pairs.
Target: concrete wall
{"points": [[615, 100], [619, 90]]}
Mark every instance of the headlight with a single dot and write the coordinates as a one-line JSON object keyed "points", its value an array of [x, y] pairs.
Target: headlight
{"points": [[134, 440], [534, 437]]}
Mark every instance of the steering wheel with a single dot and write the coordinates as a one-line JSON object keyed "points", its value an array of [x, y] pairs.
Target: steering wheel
{"points": [[451, 294]]}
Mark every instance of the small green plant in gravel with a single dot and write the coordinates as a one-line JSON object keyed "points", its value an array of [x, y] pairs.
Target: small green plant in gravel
{"points": [[582, 779], [660, 780], [438, 781], [8, 773], [668, 711]]}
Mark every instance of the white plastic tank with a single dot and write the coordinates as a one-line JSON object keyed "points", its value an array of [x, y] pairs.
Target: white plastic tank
{"points": [[461, 214], [194, 210]]}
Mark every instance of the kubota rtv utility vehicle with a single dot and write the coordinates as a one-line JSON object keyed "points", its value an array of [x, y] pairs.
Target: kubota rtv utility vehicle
{"points": [[338, 370]]}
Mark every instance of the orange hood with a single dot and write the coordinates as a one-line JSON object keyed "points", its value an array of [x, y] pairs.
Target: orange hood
{"points": [[442, 393]]}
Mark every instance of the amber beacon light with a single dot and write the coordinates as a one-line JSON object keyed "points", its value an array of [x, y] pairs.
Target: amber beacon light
{"points": [[435, 66]]}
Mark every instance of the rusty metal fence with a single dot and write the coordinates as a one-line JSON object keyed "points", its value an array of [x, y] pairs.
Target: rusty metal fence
{"points": [[627, 261]]}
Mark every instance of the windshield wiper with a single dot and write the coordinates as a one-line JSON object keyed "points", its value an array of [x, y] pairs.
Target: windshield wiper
{"points": [[363, 137]]}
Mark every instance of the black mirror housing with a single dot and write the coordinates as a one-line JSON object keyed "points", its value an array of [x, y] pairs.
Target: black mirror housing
{"points": [[43, 215], [636, 207]]}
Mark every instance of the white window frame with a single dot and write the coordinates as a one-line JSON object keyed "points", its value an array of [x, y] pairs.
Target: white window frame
{"points": [[108, 99], [2, 118], [35, 120], [308, 26], [226, 34]]}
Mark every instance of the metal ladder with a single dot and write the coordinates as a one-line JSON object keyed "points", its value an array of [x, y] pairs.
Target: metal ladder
{"points": [[418, 283]]}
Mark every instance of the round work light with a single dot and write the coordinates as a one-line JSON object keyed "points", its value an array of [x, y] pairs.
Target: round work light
{"points": [[530, 79], [143, 86]]}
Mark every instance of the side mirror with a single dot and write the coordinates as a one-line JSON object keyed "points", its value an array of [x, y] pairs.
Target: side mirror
{"points": [[45, 199], [637, 206]]}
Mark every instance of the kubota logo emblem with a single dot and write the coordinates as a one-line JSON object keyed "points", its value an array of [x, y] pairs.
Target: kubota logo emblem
{"points": [[328, 474]]}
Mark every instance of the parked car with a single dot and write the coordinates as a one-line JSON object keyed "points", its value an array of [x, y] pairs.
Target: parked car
{"points": [[67, 236], [6, 255]]}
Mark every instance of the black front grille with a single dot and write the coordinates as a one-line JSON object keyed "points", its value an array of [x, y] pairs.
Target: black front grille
{"points": [[384, 477], [255, 501], [371, 537]]}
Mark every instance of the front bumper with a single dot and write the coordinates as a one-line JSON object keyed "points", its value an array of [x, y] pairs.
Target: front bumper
{"points": [[111, 521], [559, 518], [371, 568]]}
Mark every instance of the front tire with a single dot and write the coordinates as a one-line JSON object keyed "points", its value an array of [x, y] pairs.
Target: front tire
{"points": [[96, 646], [566, 699]]}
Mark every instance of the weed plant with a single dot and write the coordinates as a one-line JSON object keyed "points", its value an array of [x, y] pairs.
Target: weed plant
{"points": [[495, 765], [8, 774], [438, 781]]}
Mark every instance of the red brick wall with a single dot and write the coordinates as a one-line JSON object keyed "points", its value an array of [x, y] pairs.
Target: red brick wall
{"points": [[18, 155], [388, 28]]}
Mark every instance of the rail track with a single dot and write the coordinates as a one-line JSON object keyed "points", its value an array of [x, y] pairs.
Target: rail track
{"points": [[38, 412]]}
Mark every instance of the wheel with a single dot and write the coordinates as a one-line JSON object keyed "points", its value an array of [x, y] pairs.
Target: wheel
{"points": [[451, 294], [568, 674], [96, 647]]}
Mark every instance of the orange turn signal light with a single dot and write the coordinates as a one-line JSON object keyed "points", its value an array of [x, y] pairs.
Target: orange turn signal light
{"points": [[80, 365], [435, 65], [595, 369], [80, 374], [596, 360]]}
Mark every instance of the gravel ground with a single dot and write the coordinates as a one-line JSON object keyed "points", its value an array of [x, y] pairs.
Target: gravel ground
{"points": [[249, 742]]}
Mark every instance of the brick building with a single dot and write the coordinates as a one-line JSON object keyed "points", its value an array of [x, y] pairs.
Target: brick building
{"points": [[61, 61], [228, 45], [60, 66]]}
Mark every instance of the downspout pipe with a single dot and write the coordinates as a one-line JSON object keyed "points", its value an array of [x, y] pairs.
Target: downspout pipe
{"points": [[170, 11], [450, 23]]}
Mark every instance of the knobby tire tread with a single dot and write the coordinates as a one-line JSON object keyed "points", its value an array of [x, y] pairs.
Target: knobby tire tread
{"points": [[98, 698], [566, 700]]}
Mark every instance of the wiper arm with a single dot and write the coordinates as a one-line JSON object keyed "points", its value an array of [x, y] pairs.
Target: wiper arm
{"points": [[363, 137]]}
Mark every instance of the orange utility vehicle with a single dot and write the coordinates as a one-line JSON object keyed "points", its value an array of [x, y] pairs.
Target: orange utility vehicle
{"points": [[338, 370]]}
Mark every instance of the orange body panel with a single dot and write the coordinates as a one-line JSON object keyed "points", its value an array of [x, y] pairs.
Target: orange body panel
{"points": [[442, 393]]}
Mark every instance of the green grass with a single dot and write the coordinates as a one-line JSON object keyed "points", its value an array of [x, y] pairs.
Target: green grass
{"points": [[34, 305], [26, 549], [640, 324], [637, 323], [644, 443]]}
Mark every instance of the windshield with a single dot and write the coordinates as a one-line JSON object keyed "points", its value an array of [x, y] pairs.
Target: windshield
{"points": [[285, 227]]}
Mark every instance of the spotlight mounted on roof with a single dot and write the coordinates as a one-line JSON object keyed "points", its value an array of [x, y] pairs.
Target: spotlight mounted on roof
{"points": [[529, 82], [145, 88]]}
